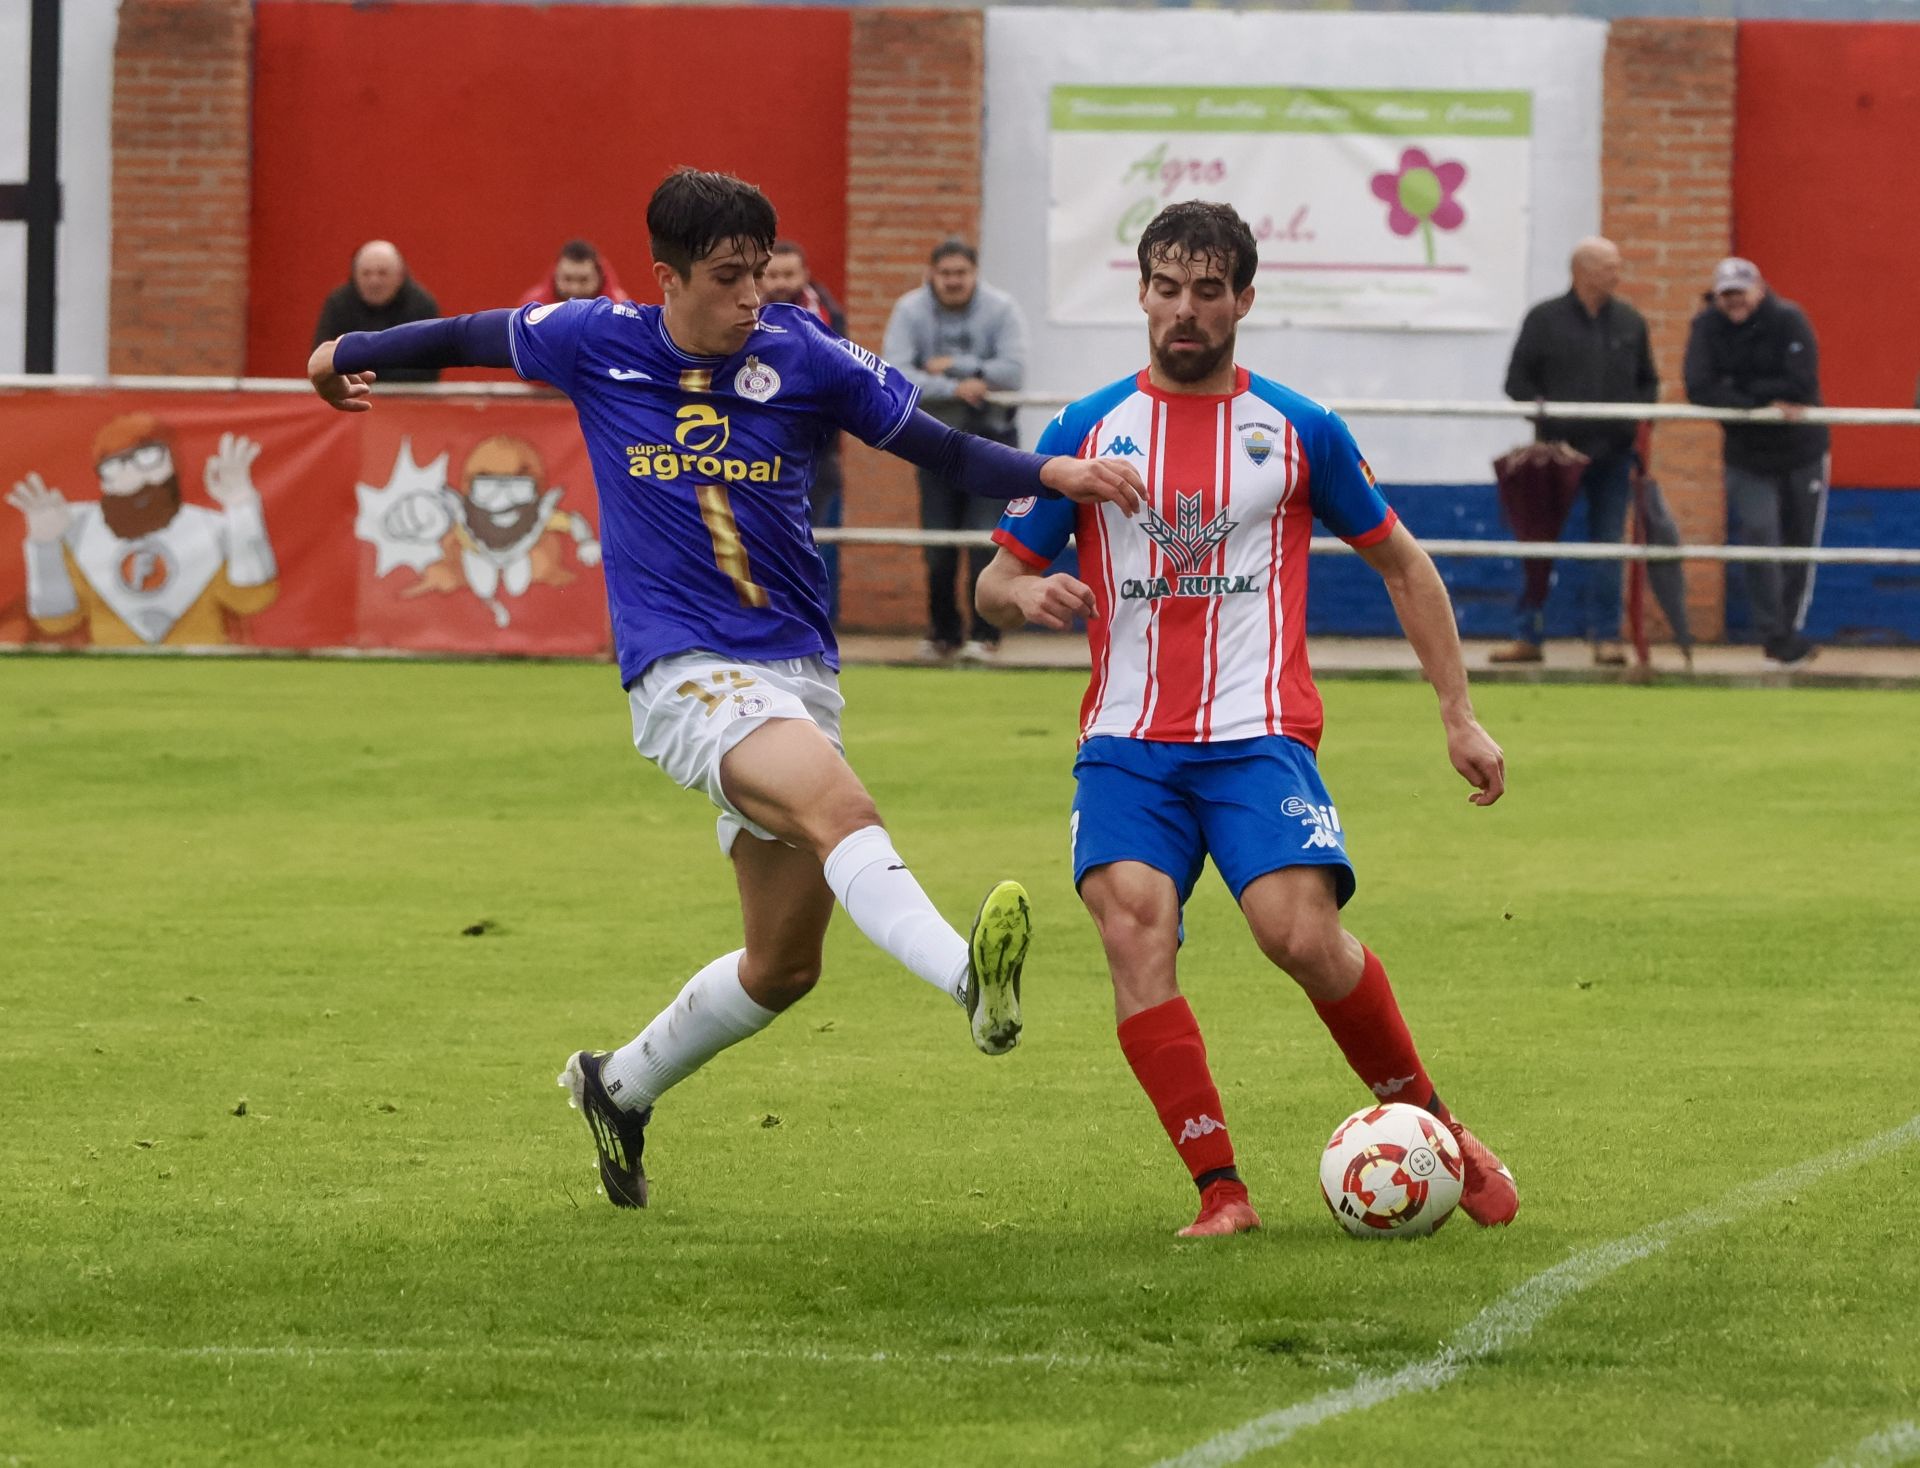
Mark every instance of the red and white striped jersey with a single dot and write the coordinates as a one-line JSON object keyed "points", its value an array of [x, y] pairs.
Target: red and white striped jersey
{"points": [[1202, 596]]}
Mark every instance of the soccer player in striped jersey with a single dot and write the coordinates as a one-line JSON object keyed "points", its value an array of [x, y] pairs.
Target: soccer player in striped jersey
{"points": [[1201, 720], [703, 418]]}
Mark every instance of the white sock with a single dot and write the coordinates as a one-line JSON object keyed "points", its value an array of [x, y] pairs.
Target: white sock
{"points": [[709, 1014], [886, 903]]}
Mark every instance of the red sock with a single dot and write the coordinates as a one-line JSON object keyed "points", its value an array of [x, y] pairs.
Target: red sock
{"points": [[1169, 1059], [1367, 1027]]}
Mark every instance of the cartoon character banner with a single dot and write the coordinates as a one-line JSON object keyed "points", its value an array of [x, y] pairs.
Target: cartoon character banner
{"points": [[1390, 209], [462, 525]]}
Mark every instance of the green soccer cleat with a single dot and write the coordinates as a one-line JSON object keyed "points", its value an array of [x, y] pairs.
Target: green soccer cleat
{"points": [[995, 954]]}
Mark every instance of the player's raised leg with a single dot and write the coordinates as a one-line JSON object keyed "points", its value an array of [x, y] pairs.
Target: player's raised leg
{"points": [[1137, 911], [789, 778], [1295, 917]]}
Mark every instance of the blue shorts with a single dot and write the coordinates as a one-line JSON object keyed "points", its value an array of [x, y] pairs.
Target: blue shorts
{"points": [[1253, 805]]}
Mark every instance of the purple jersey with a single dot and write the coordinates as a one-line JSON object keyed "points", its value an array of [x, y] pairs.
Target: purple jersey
{"points": [[703, 466]]}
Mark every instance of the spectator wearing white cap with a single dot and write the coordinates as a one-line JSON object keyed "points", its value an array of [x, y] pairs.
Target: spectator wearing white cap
{"points": [[1750, 349]]}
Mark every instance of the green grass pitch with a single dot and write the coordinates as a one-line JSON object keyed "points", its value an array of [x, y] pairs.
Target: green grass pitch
{"points": [[1679, 957]]}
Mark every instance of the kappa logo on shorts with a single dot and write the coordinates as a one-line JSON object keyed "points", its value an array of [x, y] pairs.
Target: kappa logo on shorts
{"points": [[1322, 823]]}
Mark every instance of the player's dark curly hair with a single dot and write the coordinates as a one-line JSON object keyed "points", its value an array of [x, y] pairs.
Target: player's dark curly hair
{"points": [[694, 213], [1197, 230]]}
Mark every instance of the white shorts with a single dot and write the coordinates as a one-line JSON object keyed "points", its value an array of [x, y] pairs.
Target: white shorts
{"points": [[689, 710]]}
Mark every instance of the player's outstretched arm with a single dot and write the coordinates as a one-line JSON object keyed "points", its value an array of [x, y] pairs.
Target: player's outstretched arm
{"points": [[995, 471], [343, 371], [1426, 615], [1010, 593]]}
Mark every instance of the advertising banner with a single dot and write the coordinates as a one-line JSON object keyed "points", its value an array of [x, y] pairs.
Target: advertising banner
{"points": [[1390, 209], [176, 519]]}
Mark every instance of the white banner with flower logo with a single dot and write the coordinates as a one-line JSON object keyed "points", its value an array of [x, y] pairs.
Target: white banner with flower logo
{"points": [[1373, 208]]}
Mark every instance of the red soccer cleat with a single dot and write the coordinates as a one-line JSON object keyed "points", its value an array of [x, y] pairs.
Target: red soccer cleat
{"points": [[1224, 1209], [1488, 1195]]}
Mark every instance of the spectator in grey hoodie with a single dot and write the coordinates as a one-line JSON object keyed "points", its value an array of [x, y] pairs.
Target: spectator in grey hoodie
{"points": [[958, 339]]}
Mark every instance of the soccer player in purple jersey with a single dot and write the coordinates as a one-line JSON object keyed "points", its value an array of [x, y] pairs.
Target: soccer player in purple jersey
{"points": [[703, 418]]}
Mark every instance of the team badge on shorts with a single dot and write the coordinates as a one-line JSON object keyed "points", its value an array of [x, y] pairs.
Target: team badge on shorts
{"points": [[1016, 508], [756, 381]]}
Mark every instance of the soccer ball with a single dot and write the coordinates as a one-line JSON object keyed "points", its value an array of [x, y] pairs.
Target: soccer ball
{"points": [[1391, 1171]]}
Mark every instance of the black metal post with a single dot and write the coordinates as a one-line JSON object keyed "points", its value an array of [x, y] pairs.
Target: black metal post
{"points": [[42, 201]]}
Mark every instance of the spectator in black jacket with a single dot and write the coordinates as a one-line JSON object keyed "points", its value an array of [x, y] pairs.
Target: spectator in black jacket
{"points": [[379, 293], [1750, 349], [1587, 346]]}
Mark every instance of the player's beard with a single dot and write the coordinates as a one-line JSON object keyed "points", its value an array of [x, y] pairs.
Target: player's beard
{"points": [[1192, 366], [495, 534], [145, 511]]}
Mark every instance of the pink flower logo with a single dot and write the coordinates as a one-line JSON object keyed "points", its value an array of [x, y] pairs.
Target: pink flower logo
{"points": [[1420, 196]]}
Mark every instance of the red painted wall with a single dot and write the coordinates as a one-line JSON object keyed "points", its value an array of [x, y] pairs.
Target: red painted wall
{"points": [[480, 137], [1825, 204]]}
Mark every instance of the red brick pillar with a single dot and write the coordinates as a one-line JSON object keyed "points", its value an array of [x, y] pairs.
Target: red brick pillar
{"points": [[1666, 174], [913, 177], [182, 159]]}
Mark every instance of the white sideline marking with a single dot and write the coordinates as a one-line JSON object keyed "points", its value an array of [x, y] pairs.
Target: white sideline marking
{"points": [[1900, 1443], [1512, 1317], [550, 1351]]}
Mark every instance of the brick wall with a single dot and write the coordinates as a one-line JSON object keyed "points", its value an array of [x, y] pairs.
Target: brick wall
{"points": [[181, 190], [913, 177], [181, 84], [1666, 178]]}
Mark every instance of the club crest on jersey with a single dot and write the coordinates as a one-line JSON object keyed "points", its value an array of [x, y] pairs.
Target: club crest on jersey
{"points": [[1257, 441], [756, 381]]}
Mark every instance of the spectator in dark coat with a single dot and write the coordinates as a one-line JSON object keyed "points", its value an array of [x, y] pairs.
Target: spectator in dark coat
{"points": [[1750, 349], [379, 293], [1587, 346]]}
